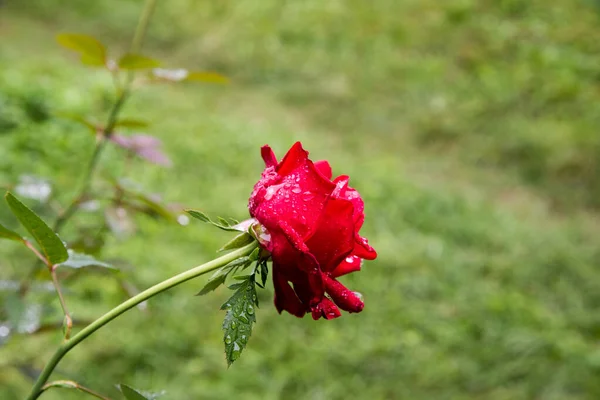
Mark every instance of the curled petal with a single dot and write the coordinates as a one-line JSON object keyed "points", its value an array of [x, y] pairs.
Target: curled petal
{"points": [[326, 309], [346, 299]]}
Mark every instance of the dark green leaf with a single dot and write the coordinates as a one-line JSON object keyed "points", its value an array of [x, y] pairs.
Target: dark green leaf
{"points": [[131, 123], [264, 272], [218, 278], [137, 61], [92, 51], [6, 233], [135, 394], [211, 77], [239, 241], [51, 245], [80, 260], [239, 318]]}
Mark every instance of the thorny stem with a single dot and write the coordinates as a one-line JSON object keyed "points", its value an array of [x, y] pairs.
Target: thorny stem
{"points": [[72, 385], [66, 346]]}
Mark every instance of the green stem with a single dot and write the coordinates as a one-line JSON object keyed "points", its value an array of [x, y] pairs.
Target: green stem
{"points": [[132, 302]]}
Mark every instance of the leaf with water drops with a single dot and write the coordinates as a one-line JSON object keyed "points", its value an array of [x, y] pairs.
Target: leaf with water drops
{"points": [[51, 245], [239, 318]]}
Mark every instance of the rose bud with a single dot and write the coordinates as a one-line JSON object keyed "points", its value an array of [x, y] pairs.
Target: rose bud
{"points": [[312, 224]]}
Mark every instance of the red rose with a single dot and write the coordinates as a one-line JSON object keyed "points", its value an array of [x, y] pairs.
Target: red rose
{"points": [[313, 223]]}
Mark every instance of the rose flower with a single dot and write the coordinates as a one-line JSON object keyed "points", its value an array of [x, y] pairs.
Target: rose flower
{"points": [[313, 224]]}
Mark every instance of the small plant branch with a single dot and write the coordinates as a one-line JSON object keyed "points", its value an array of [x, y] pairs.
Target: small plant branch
{"points": [[107, 132], [66, 346], [72, 385], [68, 321]]}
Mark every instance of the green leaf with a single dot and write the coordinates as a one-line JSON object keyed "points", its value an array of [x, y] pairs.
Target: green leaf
{"points": [[198, 215], [137, 61], [79, 119], [91, 49], [135, 394], [239, 241], [211, 77], [131, 123], [51, 245], [80, 260], [239, 318], [222, 224], [218, 278], [6, 233]]}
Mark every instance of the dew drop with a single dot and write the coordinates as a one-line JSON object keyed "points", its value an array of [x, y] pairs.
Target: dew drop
{"points": [[296, 189], [242, 317], [359, 295], [250, 309], [253, 297], [244, 339], [228, 339], [233, 325]]}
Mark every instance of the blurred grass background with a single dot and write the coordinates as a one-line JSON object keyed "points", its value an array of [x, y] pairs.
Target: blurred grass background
{"points": [[469, 127]]}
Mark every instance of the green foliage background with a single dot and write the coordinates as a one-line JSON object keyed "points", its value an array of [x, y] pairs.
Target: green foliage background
{"points": [[469, 127]]}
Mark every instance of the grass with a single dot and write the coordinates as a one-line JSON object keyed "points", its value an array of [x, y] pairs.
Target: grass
{"points": [[468, 127]]}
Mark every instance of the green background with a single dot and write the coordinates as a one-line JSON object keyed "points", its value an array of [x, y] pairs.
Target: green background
{"points": [[469, 127]]}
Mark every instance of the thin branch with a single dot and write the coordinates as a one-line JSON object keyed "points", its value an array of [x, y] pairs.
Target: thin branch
{"points": [[72, 385]]}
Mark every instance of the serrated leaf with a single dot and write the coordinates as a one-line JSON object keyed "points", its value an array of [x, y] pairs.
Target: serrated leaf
{"points": [[239, 318], [6, 233], [219, 277], [91, 49], [137, 61], [239, 241], [80, 260], [131, 123], [136, 394], [255, 254], [51, 245], [211, 77]]}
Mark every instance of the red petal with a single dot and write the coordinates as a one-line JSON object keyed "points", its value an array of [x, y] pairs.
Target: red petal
{"points": [[325, 309], [334, 237], [349, 264], [295, 157], [268, 156], [346, 299], [362, 249], [285, 297], [324, 168]]}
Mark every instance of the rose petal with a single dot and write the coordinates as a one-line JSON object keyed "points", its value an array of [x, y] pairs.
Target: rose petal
{"points": [[268, 156], [324, 168], [346, 299]]}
